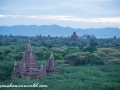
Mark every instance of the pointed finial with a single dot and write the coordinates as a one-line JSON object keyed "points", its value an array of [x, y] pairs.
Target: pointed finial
{"points": [[29, 46], [51, 55], [41, 66], [15, 63], [24, 65], [29, 42]]}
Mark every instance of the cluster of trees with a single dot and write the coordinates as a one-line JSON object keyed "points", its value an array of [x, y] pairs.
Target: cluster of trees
{"points": [[74, 60], [83, 58], [82, 52], [13, 47]]}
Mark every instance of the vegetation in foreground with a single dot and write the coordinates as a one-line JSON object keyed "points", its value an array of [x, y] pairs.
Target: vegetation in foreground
{"points": [[96, 67], [95, 77]]}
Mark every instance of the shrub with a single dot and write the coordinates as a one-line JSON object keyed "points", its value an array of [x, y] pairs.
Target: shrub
{"points": [[90, 49], [57, 56], [5, 70], [83, 58], [39, 54], [109, 55], [1, 55], [95, 59], [18, 56], [71, 50]]}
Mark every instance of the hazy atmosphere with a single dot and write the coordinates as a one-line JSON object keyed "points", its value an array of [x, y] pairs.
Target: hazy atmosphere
{"points": [[70, 13], [59, 44]]}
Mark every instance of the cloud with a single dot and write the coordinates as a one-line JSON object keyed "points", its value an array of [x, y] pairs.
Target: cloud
{"points": [[80, 8], [1, 16], [65, 18], [10, 16]]}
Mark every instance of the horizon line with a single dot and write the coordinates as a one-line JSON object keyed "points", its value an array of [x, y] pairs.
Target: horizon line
{"points": [[56, 25]]}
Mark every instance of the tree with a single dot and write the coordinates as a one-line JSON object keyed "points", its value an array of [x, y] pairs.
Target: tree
{"points": [[57, 56], [5, 70], [77, 58], [83, 59], [1, 55], [90, 49]]}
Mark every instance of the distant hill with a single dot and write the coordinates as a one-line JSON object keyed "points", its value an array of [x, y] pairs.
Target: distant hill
{"points": [[55, 30]]}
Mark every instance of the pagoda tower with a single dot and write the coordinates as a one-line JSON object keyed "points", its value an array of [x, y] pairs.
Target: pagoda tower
{"points": [[114, 37], [40, 37], [74, 37], [51, 65], [28, 67]]}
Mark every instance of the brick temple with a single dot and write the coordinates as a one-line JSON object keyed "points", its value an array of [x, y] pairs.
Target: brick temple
{"points": [[28, 67], [74, 37]]}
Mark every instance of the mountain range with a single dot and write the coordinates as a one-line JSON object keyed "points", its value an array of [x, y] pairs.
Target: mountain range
{"points": [[55, 30]]}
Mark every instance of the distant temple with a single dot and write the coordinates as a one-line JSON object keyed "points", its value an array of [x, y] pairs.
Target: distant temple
{"points": [[39, 37], [114, 37], [74, 37], [29, 69], [48, 36]]}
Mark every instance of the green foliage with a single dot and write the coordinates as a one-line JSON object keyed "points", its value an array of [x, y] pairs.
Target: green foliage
{"points": [[56, 49], [71, 50], [46, 56], [100, 77], [82, 59], [39, 54], [57, 56], [93, 43], [21, 48], [5, 70], [77, 58], [1, 55], [18, 56], [7, 51], [109, 55], [95, 59], [90, 49], [76, 72]]}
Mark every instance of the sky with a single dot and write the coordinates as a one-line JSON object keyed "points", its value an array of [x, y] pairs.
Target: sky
{"points": [[66, 13]]}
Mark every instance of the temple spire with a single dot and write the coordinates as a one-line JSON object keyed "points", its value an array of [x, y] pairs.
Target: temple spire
{"points": [[41, 67], [51, 55], [24, 65], [29, 46], [29, 42], [15, 63], [51, 65]]}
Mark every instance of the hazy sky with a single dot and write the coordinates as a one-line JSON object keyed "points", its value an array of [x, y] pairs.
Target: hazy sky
{"points": [[70, 13]]}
